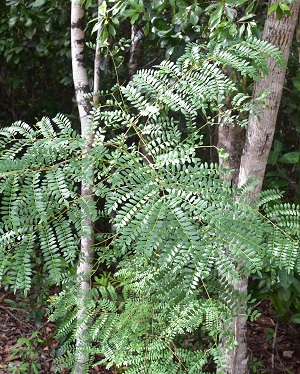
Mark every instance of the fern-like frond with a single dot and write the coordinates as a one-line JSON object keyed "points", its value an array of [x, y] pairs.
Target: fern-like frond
{"points": [[181, 234]]}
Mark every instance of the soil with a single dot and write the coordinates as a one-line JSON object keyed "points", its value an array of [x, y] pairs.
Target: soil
{"points": [[274, 346]]}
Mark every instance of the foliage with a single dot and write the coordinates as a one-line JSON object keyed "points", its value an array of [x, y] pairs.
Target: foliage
{"points": [[284, 172], [280, 9], [280, 284], [36, 301], [35, 44], [39, 224], [180, 233], [172, 24], [35, 59], [179, 207], [26, 350], [172, 217]]}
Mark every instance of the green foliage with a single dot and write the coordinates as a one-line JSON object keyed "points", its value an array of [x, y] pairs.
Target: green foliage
{"points": [[282, 289], [284, 171], [26, 351], [37, 301], [280, 281], [35, 59], [35, 18], [230, 20], [180, 234], [169, 23], [256, 366], [280, 8], [35, 44], [40, 202]]}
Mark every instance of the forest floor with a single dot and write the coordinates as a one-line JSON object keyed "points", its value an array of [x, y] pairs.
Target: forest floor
{"points": [[274, 346]]}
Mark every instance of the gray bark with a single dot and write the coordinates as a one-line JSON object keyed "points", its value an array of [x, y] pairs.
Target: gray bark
{"points": [[135, 49], [97, 60], [261, 130], [81, 85], [80, 77], [258, 142], [232, 139]]}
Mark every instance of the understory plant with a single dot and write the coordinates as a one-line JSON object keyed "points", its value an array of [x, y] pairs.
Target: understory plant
{"points": [[172, 235], [280, 285], [26, 350]]}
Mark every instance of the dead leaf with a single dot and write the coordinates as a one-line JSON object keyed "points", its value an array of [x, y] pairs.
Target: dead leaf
{"points": [[288, 354], [265, 321]]}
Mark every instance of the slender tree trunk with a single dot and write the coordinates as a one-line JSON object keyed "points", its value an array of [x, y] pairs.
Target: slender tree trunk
{"points": [[259, 138], [97, 60], [135, 49], [232, 140], [261, 130], [81, 85], [80, 77], [133, 65]]}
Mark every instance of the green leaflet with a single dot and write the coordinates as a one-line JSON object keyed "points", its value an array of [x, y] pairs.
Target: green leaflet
{"points": [[180, 233]]}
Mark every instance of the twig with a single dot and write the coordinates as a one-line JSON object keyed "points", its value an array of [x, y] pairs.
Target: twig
{"points": [[273, 346], [16, 318]]}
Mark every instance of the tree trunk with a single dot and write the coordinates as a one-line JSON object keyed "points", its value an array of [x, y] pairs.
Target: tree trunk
{"points": [[81, 85], [135, 50], [259, 138], [261, 130], [80, 77], [97, 60], [232, 140]]}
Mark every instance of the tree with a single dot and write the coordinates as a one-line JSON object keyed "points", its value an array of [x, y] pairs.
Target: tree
{"points": [[248, 152], [162, 264], [135, 156], [81, 85]]}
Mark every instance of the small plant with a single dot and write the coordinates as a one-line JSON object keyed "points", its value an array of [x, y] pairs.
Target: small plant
{"points": [[280, 285], [271, 333], [35, 303], [104, 279], [26, 350], [284, 171], [257, 366]]}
